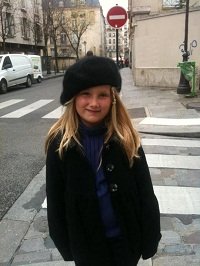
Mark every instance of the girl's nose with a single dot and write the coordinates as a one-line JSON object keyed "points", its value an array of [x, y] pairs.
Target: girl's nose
{"points": [[94, 101]]}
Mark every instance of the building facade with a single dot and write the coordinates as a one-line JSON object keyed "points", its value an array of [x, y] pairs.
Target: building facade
{"points": [[157, 30], [21, 29], [82, 29]]}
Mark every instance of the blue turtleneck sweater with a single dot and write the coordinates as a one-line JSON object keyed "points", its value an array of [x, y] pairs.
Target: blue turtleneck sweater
{"points": [[92, 140]]}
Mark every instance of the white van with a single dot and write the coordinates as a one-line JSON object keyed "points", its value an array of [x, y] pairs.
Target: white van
{"points": [[15, 69], [37, 67]]}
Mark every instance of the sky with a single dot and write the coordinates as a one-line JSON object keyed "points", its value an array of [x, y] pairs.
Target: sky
{"points": [[107, 4]]}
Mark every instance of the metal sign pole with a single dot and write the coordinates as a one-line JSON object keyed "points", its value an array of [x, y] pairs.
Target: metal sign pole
{"points": [[117, 49]]}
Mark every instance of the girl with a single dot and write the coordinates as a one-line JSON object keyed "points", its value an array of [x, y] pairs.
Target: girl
{"points": [[101, 206]]}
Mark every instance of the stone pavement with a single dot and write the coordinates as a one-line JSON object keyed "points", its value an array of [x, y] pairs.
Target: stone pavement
{"points": [[24, 238]]}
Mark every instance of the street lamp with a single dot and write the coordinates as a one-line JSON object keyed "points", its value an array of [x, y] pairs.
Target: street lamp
{"points": [[184, 86]]}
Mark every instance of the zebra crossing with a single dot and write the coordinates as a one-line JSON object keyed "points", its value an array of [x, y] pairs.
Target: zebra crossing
{"points": [[170, 198], [173, 199], [29, 108]]}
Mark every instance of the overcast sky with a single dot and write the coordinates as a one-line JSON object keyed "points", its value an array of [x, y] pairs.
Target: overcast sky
{"points": [[107, 4]]}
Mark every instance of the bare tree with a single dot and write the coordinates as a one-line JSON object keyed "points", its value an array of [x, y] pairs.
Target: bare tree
{"points": [[45, 11], [76, 25], [35, 23], [53, 24], [7, 26]]}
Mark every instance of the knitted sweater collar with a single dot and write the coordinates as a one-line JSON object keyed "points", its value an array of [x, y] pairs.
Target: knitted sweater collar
{"points": [[92, 131]]}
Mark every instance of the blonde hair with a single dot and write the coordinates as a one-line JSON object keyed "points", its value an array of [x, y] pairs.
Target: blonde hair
{"points": [[117, 122]]}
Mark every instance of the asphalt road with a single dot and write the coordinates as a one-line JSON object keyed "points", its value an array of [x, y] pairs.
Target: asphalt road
{"points": [[22, 139]]}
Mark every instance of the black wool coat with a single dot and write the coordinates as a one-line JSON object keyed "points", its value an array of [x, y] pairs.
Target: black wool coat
{"points": [[72, 205]]}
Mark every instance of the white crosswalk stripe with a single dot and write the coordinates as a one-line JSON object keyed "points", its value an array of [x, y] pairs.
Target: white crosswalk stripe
{"points": [[10, 102], [170, 122], [178, 200], [171, 142], [173, 161], [27, 109], [55, 113]]}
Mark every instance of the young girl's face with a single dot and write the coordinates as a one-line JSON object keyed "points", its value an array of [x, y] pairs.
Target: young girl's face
{"points": [[93, 105]]}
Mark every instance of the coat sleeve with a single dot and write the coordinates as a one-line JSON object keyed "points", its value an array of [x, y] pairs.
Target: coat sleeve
{"points": [[55, 189], [150, 214]]}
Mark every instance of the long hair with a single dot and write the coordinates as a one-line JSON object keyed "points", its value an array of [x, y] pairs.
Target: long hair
{"points": [[117, 122]]}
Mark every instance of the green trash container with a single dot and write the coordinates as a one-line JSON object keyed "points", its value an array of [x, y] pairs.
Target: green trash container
{"points": [[188, 68]]}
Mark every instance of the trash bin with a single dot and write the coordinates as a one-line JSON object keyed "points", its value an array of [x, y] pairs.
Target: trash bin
{"points": [[188, 68]]}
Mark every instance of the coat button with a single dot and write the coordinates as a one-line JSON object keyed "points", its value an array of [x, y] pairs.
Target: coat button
{"points": [[107, 146], [110, 167], [113, 187]]}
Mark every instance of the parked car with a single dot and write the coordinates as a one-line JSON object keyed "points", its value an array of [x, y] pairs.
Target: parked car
{"points": [[15, 69], [37, 67]]}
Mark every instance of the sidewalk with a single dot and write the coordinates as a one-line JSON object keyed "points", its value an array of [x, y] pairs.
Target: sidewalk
{"points": [[24, 238], [166, 111], [52, 75]]}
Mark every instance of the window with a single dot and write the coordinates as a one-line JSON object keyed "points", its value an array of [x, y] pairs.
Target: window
{"points": [[51, 40], [63, 38], [25, 28], [63, 52], [82, 23], [61, 4], [6, 61], [74, 39], [6, 2], [52, 52], [36, 10], [9, 25], [82, 2], [38, 32], [23, 4], [82, 15], [73, 2], [63, 19], [74, 23]]}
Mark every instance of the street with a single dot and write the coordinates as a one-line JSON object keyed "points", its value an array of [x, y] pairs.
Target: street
{"points": [[22, 136]]}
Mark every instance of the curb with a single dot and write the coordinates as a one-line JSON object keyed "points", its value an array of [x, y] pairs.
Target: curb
{"points": [[16, 222], [52, 76], [172, 134]]}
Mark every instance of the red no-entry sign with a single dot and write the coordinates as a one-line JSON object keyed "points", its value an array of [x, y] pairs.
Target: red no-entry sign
{"points": [[117, 17]]}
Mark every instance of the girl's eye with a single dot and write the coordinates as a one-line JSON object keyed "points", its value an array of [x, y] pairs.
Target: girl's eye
{"points": [[85, 93], [103, 95]]}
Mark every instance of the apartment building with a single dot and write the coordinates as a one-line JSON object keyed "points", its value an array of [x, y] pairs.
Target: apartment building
{"points": [[21, 26], [156, 32], [82, 29]]}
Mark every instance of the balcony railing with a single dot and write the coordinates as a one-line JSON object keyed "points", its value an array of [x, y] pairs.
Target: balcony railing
{"points": [[173, 3]]}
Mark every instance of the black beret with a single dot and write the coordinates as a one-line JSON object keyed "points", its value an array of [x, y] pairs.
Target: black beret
{"points": [[89, 72]]}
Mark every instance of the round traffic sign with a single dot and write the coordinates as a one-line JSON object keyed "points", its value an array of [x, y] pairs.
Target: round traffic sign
{"points": [[117, 17]]}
